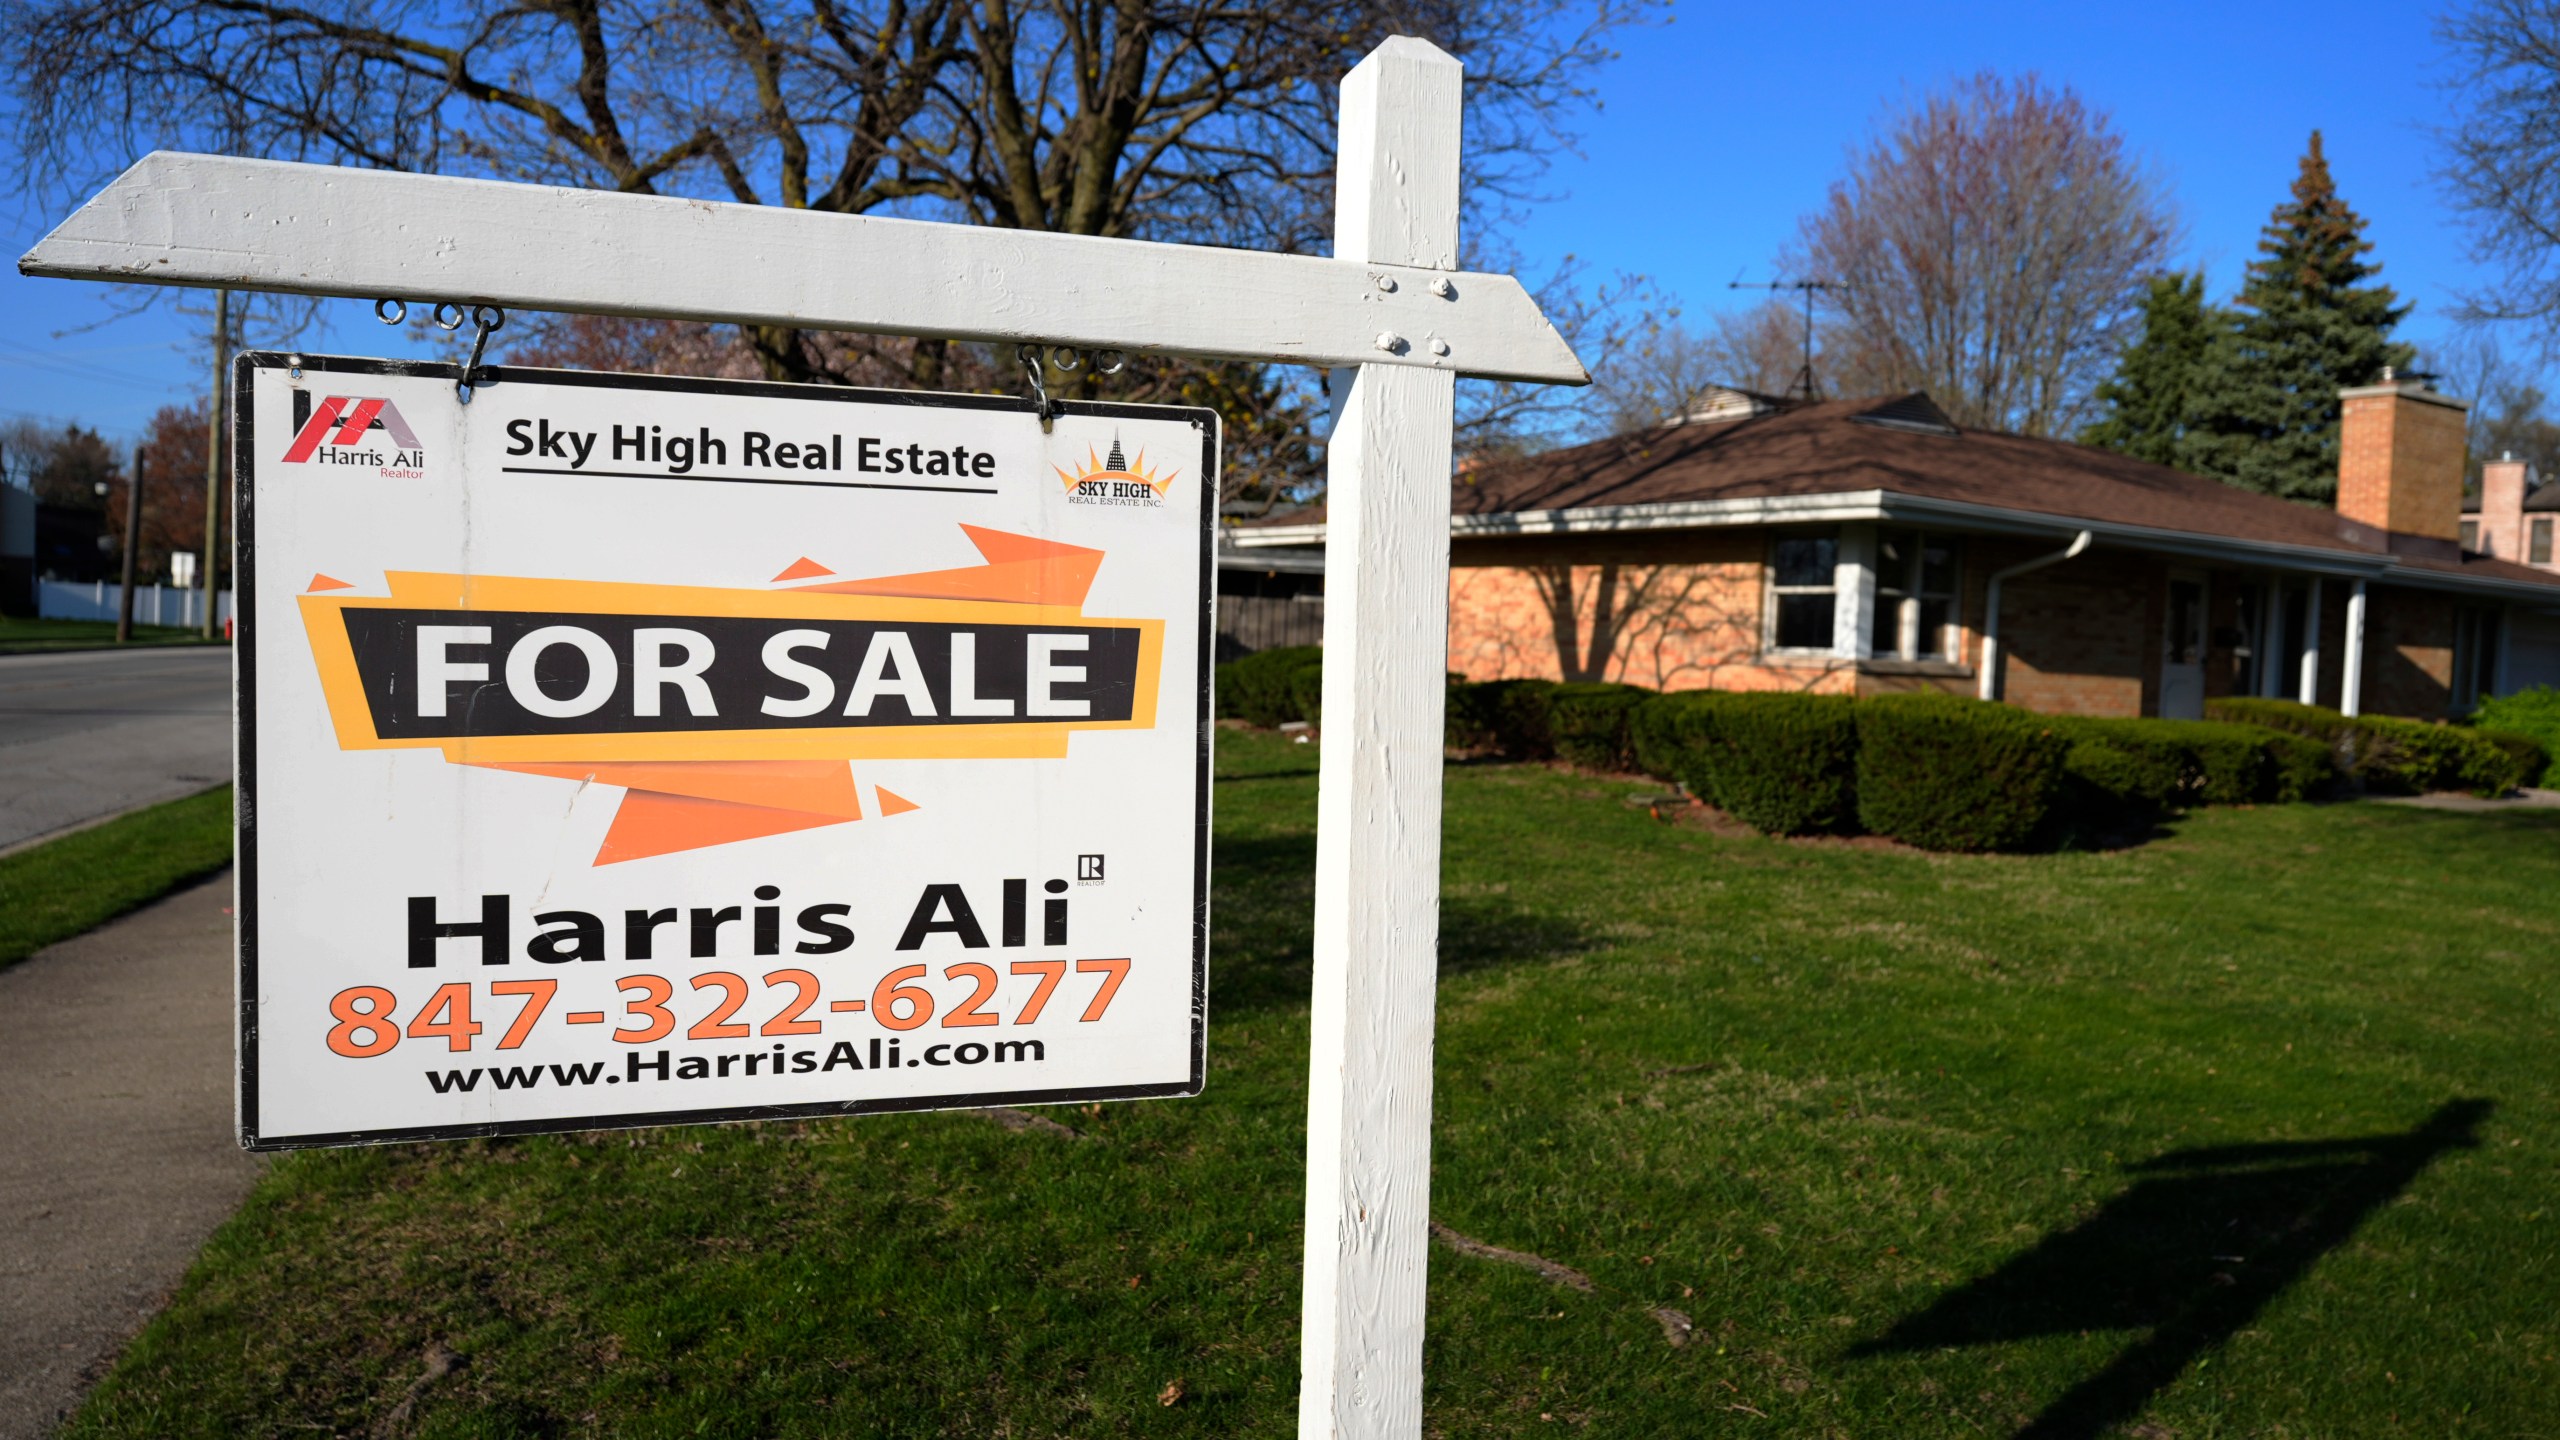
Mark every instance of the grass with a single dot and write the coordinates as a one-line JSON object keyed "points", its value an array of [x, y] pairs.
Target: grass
{"points": [[20, 636], [60, 888], [2249, 1131]]}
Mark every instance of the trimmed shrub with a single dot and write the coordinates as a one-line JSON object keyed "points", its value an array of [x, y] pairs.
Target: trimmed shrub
{"points": [[1306, 689], [1662, 730], [2534, 712], [1508, 717], [1588, 723], [2526, 753], [1946, 773], [2299, 768], [2411, 757], [1782, 763], [1785, 764], [2194, 762], [2152, 768], [2384, 753], [1262, 688]]}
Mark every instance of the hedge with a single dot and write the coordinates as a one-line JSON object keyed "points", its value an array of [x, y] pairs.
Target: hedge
{"points": [[2533, 713], [2524, 751], [2387, 754], [1946, 773], [1782, 763], [2152, 766], [1507, 717], [1272, 687], [1587, 723], [1786, 764]]}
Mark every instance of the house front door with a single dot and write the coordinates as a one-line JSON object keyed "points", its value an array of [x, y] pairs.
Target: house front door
{"points": [[2182, 648]]}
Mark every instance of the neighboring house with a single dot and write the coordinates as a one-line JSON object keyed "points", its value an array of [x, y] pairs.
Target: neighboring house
{"points": [[1866, 546], [2511, 517]]}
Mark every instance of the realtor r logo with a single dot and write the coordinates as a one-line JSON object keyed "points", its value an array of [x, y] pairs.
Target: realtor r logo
{"points": [[1089, 869], [341, 423]]}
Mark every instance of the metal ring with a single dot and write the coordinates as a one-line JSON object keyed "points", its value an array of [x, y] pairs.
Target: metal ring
{"points": [[489, 318], [460, 314], [391, 312], [1067, 358], [1110, 362]]}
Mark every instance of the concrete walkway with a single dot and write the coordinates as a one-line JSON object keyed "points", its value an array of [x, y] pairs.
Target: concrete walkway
{"points": [[117, 1154], [2456, 800]]}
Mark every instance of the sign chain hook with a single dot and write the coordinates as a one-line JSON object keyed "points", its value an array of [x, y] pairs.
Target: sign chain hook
{"points": [[449, 315], [1068, 360]]}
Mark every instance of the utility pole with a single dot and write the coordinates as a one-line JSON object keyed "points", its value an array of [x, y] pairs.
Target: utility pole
{"points": [[1807, 288], [213, 452], [132, 544]]}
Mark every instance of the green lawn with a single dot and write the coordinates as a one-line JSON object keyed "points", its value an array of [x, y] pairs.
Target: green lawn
{"points": [[22, 636], [2247, 1132], [62, 887]]}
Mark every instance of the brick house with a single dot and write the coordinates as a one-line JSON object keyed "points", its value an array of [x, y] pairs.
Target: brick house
{"points": [[1863, 546]]}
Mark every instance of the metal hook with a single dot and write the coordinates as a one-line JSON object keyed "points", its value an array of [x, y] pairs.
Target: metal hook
{"points": [[1043, 406], [491, 320]]}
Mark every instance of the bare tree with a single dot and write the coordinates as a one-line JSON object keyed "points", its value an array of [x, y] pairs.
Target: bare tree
{"points": [[1655, 376], [1177, 119], [1992, 243], [2501, 163]]}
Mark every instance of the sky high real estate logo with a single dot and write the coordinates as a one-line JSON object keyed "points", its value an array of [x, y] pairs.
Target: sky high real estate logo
{"points": [[731, 714], [1114, 479], [342, 429]]}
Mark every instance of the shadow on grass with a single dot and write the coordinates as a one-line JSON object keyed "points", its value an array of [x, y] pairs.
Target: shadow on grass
{"points": [[2192, 1252], [1263, 927]]}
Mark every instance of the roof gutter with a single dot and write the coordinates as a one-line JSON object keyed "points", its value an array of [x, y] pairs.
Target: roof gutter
{"points": [[1856, 506], [1990, 666]]}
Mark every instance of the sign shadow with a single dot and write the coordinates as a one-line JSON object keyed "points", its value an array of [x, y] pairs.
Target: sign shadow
{"points": [[2191, 1252]]}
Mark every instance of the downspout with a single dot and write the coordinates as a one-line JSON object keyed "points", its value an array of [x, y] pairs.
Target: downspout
{"points": [[2351, 690], [1990, 677]]}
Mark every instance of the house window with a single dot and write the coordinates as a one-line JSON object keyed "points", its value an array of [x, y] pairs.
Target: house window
{"points": [[1803, 591], [1915, 595], [2541, 543], [2471, 535]]}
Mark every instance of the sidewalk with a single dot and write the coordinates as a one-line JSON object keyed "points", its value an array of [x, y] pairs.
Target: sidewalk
{"points": [[117, 1154]]}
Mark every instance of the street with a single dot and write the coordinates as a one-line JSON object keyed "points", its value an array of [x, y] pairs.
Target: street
{"points": [[95, 732]]}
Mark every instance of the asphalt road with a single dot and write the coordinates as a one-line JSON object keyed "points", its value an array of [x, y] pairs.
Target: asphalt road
{"points": [[117, 1154], [95, 732]]}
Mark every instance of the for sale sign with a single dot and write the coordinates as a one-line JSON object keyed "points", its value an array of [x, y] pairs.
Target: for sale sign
{"points": [[620, 750]]}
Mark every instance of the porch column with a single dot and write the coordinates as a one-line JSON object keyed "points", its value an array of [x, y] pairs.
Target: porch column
{"points": [[2271, 640], [2309, 692], [1854, 585], [2351, 688], [1853, 580]]}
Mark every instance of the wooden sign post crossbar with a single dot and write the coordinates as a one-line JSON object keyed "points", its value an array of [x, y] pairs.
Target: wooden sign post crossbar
{"points": [[1389, 312]]}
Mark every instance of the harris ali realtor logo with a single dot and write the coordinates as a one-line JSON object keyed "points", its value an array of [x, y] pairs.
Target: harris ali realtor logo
{"points": [[354, 430], [1115, 479]]}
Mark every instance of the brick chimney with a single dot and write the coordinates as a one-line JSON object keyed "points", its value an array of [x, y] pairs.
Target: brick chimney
{"points": [[2400, 460], [2502, 487]]}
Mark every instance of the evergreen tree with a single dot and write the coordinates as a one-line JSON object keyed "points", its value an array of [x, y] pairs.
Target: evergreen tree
{"points": [[2152, 396], [2266, 404]]}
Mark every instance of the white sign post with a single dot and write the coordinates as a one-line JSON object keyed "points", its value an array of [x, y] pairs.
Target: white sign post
{"points": [[1389, 306]]}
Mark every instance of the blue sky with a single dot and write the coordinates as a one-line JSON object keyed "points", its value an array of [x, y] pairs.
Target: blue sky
{"points": [[1718, 130]]}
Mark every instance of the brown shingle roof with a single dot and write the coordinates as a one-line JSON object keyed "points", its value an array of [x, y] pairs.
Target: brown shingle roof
{"points": [[1826, 449]]}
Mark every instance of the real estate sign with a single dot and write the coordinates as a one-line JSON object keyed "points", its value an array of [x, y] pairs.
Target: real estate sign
{"points": [[621, 750]]}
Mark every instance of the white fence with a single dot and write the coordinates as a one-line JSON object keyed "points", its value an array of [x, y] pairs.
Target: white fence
{"points": [[152, 604]]}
